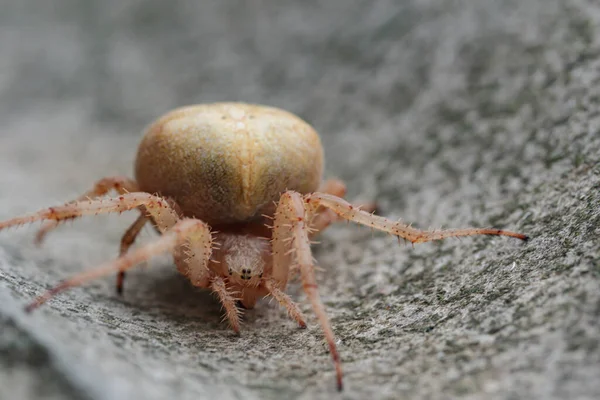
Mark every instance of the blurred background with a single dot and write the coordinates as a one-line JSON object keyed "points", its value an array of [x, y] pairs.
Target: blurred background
{"points": [[363, 73], [446, 112]]}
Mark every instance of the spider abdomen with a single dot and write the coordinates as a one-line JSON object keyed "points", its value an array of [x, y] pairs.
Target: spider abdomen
{"points": [[228, 162]]}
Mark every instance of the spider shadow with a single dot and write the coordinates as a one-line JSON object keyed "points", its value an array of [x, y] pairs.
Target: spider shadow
{"points": [[166, 294]]}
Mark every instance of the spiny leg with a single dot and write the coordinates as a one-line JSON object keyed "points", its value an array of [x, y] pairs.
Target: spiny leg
{"points": [[153, 207], [285, 301], [321, 217], [157, 208], [348, 211], [134, 230], [290, 237], [193, 232], [121, 184], [127, 241], [232, 312]]}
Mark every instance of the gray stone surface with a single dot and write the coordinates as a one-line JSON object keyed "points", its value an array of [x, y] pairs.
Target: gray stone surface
{"points": [[453, 113]]}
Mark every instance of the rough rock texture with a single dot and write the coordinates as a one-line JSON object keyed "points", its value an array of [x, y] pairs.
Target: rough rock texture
{"points": [[454, 113]]}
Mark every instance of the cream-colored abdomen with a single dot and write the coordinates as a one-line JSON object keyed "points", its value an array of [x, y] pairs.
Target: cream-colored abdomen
{"points": [[228, 162]]}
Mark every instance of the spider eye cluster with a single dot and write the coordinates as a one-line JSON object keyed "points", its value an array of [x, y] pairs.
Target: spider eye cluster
{"points": [[243, 257], [246, 273]]}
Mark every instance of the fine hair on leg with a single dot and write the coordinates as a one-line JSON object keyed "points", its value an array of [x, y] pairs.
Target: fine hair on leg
{"points": [[120, 184], [290, 238], [191, 231], [349, 212]]}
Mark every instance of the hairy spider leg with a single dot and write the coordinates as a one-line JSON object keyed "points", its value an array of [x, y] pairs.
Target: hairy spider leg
{"points": [[285, 301], [191, 247], [187, 232], [349, 212], [291, 244], [133, 232], [322, 217], [120, 184], [232, 312], [297, 218], [127, 241]]}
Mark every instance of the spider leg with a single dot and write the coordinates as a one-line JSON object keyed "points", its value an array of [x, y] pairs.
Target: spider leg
{"points": [[126, 242], [321, 217], [157, 208], [192, 232], [120, 184], [349, 212], [232, 312], [290, 238], [285, 301]]}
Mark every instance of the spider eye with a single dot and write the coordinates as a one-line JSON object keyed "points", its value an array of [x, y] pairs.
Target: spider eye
{"points": [[230, 271], [246, 273]]}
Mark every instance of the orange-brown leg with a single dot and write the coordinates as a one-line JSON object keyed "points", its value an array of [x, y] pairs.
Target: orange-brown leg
{"points": [[322, 217], [190, 240], [349, 212], [157, 208], [232, 312], [291, 243], [126, 242], [192, 232], [120, 184], [286, 302], [153, 207]]}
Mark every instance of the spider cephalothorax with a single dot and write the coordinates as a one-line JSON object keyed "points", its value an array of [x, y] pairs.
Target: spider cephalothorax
{"points": [[253, 173]]}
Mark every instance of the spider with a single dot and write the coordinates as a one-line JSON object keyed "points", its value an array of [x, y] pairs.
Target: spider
{"points": [[235, 191]]}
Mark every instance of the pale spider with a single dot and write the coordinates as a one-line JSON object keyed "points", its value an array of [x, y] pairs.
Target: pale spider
{"points": [[249, 173]]}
